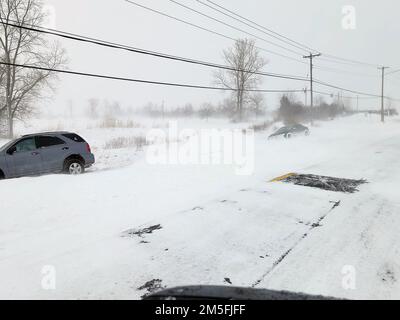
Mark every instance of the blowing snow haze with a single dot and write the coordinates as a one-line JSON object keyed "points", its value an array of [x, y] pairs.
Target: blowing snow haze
{"points": [[324, 26], [202, 149]]}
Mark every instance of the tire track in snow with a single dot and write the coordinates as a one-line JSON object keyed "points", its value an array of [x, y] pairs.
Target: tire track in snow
{"points": [[287, 252]]}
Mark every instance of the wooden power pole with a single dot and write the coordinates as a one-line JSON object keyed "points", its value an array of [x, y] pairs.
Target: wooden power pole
{"points": [[311, 57], [305, 90], [383, 94]]}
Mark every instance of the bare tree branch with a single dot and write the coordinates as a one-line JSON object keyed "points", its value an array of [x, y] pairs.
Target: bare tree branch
{"points": [[245, 61]]}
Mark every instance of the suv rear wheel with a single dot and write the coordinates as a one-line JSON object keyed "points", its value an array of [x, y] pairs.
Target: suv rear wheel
{"points": [[74, 167]]}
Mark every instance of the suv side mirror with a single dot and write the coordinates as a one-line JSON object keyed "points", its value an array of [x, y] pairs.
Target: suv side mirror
{"points": [[12, 150]]}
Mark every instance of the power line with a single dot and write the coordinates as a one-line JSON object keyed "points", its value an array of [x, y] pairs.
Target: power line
{"points": [[351, 61], [113, 45], [233, 27], [395, 71], [171, 84], [344, 89], [331, 94], [162, 55], [276, 37], [328, 69], [347, 63], [241, 30], [258, 25], [368, 95], [208, 30], [270, 33], [335, 58], [251, 26], [225, 36]]}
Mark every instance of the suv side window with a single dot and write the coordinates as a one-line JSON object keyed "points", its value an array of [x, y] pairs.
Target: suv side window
{"points": [[74, 137], [48, 141], [24, 145]]}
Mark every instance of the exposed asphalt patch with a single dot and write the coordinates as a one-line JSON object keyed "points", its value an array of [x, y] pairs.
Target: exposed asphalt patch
{"points": [[324, 182], [229, 201], [227, 280], [141, 232], [387, 275], [151, 287]]}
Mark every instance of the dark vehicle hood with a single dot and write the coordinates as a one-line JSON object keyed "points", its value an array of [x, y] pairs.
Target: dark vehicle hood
{"points": [[275, 134], [230, 293], [279, 133]]}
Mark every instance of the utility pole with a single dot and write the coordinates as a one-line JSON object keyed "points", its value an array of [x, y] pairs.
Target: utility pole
{"points": [[357, 103], [383, 94], [341, 100], [305, 90], [311, 57]]}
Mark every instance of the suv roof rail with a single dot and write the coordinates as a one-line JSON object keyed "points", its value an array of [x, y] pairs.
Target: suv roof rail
{"points": [[48, 132]]}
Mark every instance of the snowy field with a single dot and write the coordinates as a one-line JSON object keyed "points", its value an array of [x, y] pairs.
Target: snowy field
{"points": [[215, 227]]}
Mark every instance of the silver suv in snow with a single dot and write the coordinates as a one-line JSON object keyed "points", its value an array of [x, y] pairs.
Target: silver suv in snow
{"points": [[41, 153]]}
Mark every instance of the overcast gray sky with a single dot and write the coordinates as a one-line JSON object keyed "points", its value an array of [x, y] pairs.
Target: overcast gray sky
{"points": [[315, 23]]}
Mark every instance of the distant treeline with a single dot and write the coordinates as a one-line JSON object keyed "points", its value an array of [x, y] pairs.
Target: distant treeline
{"points": [[290, 111], [225, 109]]}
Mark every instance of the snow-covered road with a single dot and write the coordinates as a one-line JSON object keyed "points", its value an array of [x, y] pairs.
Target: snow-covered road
{"points": [[216, 227], [355, 253]]}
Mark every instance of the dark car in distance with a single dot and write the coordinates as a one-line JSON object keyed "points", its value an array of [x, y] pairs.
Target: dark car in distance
{"points": [[290, 131], [48, 152]]}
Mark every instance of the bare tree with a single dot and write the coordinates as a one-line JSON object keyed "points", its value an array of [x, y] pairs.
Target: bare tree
{"points": [[21, 87], [245, 60], [3, 122]]}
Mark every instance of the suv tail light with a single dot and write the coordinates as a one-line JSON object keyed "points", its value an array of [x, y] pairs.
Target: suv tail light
{"points": [[88, 148]]}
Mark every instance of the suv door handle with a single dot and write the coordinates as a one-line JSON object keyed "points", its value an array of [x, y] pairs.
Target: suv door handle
{"points": [[65, 148], [35, 153]]}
